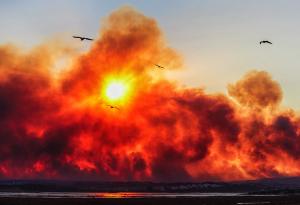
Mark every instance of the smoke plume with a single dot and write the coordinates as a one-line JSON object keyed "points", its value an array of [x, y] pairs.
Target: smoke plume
{"points": [[62, 127], [256, 89]]}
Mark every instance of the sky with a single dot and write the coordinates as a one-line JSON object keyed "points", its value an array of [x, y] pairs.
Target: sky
{"points": [[219, 40], [112, 115]]}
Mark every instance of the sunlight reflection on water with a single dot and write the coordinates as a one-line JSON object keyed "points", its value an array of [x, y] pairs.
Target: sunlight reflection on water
{"points": [[109, 195]]}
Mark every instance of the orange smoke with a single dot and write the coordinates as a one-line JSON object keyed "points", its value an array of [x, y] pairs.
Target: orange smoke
{"points": [[64, 127], [256, 89]]}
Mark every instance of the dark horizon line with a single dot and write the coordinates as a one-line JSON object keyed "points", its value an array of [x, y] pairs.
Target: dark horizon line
{"points": [[141, 181]]}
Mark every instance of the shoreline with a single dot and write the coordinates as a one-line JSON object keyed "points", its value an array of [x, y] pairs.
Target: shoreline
{"points": [[216, 200]]}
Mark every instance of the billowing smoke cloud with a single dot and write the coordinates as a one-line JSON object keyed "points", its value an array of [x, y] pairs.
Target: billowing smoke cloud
{"points": [[256, 89], [62, 126]]}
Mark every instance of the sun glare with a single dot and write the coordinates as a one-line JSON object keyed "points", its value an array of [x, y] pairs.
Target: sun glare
{"points": [[115, 90]]}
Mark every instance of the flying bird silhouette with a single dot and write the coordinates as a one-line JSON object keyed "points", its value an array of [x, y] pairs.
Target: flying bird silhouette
{"points": [[83, 38], [112, 107], [265, 42], [161, 67]]}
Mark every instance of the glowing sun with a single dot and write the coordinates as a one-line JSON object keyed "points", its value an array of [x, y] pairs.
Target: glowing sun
{"points": [[115, 90]]}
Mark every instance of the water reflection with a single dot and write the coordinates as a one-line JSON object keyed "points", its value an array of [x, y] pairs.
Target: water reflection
{"points": [[109, 195]]}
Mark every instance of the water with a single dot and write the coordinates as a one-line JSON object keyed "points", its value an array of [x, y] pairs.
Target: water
{"points": [[110, 195]]}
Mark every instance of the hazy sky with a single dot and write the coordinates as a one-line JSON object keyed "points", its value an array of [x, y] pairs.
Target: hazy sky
{"points": [[218, 39]]}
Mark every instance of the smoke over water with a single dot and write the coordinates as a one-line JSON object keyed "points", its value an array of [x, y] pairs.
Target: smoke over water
{"points": [[65, 127]]}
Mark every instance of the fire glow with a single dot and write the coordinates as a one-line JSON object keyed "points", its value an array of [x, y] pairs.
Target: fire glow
{"points": [[163, 132], [115, 90]]}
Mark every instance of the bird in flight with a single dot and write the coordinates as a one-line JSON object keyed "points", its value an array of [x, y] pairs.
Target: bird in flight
{"points": [[112, 107], [161, 67], [83, 38], [265, 42]]}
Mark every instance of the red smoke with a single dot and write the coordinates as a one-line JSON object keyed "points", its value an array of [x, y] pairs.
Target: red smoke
{"points": [[57, 126]]}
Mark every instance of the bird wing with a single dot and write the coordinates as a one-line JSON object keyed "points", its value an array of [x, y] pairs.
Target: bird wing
{"points": [[265, 42], [90, 39], [159, 66], [112, 107], [76, 36]]}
